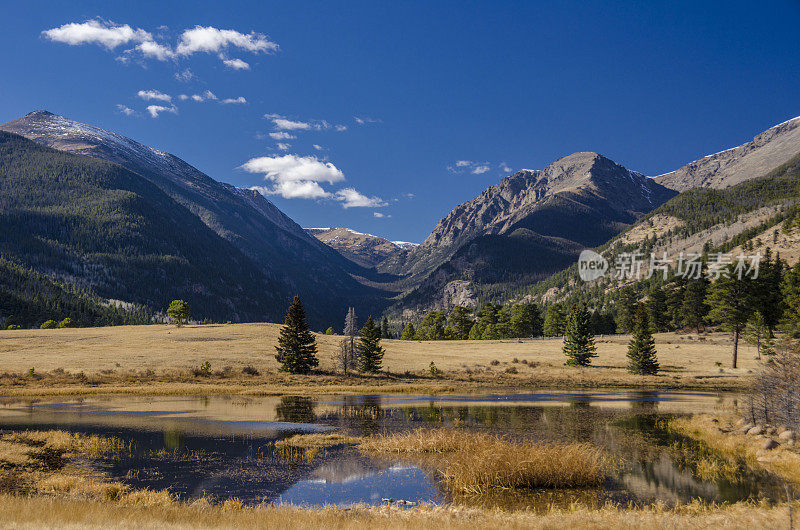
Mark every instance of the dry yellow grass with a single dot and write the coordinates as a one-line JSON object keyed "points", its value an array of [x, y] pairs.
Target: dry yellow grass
{"points": [[159, 358], [782, 461], [50, 512], [317, 440], [479, 462]]}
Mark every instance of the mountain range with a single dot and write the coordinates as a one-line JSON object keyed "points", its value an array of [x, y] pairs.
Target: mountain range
{"points": [[91, 209]]}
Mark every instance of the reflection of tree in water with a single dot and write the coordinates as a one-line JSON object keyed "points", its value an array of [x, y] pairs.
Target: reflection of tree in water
{"points": [[173, 440], [644, 402], [296, 409]]}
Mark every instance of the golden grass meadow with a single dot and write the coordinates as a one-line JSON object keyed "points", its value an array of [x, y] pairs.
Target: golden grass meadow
{"points": [[44, 484]]}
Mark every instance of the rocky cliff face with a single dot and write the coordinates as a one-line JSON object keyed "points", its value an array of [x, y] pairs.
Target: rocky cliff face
{"points": [[756, 158], [602, 194]]}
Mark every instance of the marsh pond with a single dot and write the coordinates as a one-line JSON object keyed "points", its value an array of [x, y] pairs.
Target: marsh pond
{"points": [[225, 447]]}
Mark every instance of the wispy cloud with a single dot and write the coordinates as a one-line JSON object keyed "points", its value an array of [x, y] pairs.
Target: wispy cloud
{"points": [[185, 76], [351, 198], [236, 64], [282, 146], [155, 110], [234, 101], [468, 166], [281, 135], [127, 111], [154, 95], [285, 123], [364, 120]]}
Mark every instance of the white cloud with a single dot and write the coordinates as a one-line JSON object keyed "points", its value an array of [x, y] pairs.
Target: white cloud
{"points": [[236, 64], [505, 167], [234, 101], [476, 168], [155, 50], [100, 32], [212, 40], [379, 215], [363, 120], [185, 76], [318, 147], [205, 96], [353, 199], [183, 97], [154, 95], [341, 128], [127, 111], [155, 110], [294, 168], [290, 125], [199, 39], [294, 190], [281, 135], [283, 146]]}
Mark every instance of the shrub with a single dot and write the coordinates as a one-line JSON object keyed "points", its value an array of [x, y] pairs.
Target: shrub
{"points": [[434, 371], [204, 370], [250, 370], [49, 324], [512, 370], [13, 326], [495, 362], [66, 323]]}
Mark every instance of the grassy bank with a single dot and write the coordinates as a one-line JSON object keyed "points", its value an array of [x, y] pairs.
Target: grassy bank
{"points": [[54, 512], [722, 434], [167, 360], [476, 463]]}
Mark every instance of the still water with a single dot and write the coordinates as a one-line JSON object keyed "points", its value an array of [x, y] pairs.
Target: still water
{"points": [[223, 447]]}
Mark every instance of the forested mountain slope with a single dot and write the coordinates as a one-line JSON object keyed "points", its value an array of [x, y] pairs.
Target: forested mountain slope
{"points": [[97, 225], [290, 259]]}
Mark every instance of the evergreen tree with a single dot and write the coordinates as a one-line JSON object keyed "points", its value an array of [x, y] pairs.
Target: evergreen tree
{"points": [[554, 321], [767, 296], [626, 301], [730, 299], [657, 310], [675, 294], [385, 333], [503, 326], [432, 326], [370, 351], [408, 332], [297, 348], [490, 333], [756, 332], [790, 288], [578, 338], [475, 332], [460, 323], [178, 312], [642, 347], [526, 320], [694, 308]]}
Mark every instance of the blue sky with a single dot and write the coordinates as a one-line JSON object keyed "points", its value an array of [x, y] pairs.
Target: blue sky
{"points": [[498, 86]]}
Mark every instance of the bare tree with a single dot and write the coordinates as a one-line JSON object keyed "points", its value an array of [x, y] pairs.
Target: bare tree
{"points": [[348, 347]]}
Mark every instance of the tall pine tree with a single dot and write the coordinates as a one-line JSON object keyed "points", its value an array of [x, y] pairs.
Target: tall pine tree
{"points": [[297, 348], [370, 351], [554, 321], [578, 337], [730, 299], [642, 348]]}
